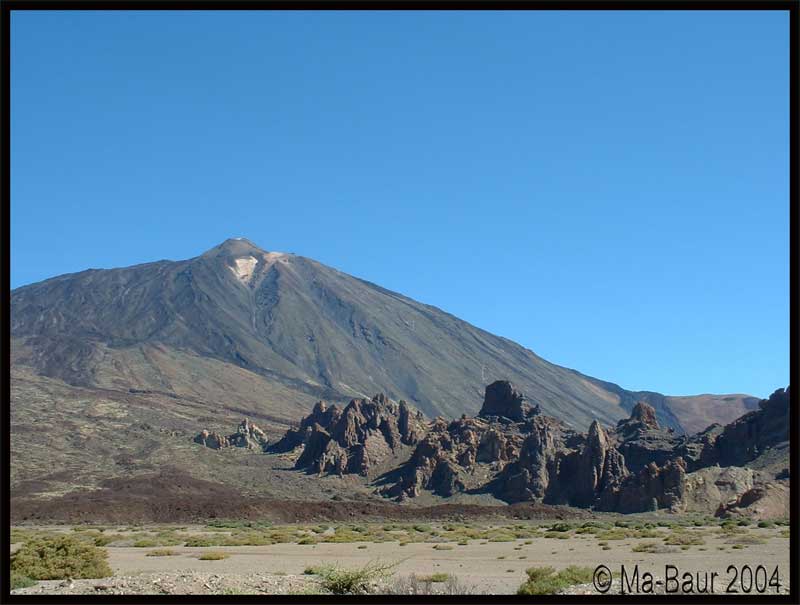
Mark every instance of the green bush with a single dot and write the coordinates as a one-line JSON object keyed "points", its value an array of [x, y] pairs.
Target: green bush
{"points": [[19, 580], [436, 577], [101, 540], [732, 528], [614, 534], [161, 552], [597, 525], [60, 557], [545, 580], [766, 524], [560, 527], [684, 539], [501, 538], [213, 556], [353, 581], [745, 539], [653, 547]]}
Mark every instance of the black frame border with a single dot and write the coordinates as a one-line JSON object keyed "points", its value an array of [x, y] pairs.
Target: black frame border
{"points": [[6, 9]]}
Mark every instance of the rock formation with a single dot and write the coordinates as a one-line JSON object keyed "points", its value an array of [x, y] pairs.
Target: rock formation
{"points": [[445, 461], [501, 399], [763, 501], [213, 440], [514, 452], [247, 435], [652, 488], [353, 439], [517, 454], [749, 436]]}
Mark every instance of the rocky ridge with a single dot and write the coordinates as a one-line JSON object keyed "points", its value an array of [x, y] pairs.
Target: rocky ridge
{"points": [[517, 454]]}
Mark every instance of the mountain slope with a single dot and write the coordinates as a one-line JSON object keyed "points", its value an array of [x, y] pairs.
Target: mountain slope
{"points": [[265, 332]]}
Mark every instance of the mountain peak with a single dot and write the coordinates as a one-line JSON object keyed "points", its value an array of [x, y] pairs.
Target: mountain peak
{"points": [[246, 260], [301, 331], [234, 246]]}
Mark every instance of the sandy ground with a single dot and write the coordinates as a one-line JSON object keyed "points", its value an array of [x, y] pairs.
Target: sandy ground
{"points": [[494, 568]]}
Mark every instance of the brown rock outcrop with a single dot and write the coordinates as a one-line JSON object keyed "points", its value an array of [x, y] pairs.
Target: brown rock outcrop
{"points": [[708, 488], [247, 435], [642, 441], [652, 488], [749, 436], [501, 399], [213, 440], [764, 501], [516, 454], [353, 439], [457, 456]]}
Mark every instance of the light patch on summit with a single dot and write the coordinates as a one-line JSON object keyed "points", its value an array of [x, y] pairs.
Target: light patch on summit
{"points": [[270, 258], [244, 268]]}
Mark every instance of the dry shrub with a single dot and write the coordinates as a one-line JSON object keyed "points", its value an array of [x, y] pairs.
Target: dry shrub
{"points": [[545, 580], [363, 580], [61, 557]]}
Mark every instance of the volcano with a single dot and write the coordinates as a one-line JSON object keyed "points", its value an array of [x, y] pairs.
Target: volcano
{"points": [[269, 333]]}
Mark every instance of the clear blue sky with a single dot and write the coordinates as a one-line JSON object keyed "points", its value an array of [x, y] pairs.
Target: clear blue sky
{"points": [[609, 189]]}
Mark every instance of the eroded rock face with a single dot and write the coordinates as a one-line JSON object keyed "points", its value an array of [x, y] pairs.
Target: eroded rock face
{"points": [[448, 458], [516, 454], [707, 488], [213, 440], [651, 488], [530, 476], [352, 439], [763, 501], [644, 415], [501, 399], [537, 457], [247, 435], [749, 436], [642, 440]]}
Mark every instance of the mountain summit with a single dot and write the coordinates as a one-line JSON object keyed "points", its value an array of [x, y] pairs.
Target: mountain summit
{"points": [[269, 333]]}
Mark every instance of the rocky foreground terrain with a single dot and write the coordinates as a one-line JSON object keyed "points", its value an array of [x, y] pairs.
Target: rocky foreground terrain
{"points": [[480, 556], [513, 451]]}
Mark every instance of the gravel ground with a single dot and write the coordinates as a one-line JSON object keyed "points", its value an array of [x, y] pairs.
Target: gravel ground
{"points": [[482, 567], [194, 583]]}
